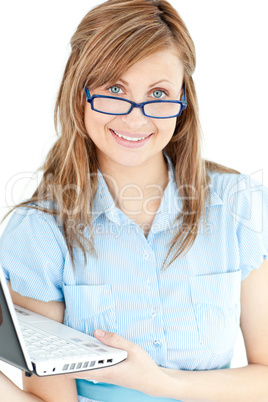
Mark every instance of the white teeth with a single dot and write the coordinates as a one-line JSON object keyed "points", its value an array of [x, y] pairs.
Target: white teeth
{"points": [[129, 138]]}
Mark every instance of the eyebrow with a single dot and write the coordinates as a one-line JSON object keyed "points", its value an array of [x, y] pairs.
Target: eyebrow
{"points": [[158, 82]]}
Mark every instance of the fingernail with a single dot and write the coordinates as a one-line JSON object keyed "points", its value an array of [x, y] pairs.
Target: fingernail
{"points": [[100, 333]]}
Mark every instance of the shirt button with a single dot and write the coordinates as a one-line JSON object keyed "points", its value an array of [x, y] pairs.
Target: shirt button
{"points": [[153, 313], [156, 343], [145, 255]]}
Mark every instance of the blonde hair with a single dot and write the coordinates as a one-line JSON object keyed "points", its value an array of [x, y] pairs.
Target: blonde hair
{"points": [[109, 40]]}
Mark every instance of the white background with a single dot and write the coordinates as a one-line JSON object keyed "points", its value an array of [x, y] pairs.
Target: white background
{"points": [[231, 82]]}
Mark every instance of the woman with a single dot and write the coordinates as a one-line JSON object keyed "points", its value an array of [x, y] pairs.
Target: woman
{"points": [[132, 232]]}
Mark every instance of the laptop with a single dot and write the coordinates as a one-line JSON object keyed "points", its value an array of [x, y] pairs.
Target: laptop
{"points": [[41, 346]]}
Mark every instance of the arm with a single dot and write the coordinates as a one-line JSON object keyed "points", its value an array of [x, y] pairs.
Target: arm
{"points": [[10, 392], [249, 383], [50, 389]]}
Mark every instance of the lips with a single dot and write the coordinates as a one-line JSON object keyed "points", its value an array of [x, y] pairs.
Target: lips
{"points": [[131, 135], [130, 142]]}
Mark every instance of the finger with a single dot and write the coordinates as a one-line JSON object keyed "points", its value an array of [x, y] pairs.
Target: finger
{"points": [[113, 339]]}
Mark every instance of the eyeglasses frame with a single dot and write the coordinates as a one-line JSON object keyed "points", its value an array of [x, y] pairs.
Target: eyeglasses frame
{"points": [[183, 104]]}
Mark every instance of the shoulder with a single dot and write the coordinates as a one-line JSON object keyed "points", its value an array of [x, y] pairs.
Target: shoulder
{"points": [[32, 212], [31, 224], [237, 190], [221, 183]]}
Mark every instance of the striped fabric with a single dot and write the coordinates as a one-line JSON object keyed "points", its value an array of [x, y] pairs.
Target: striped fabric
{"points": [[186, 317]]}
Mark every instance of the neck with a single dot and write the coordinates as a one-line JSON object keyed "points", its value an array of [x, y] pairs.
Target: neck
{"points": [[131, 185]]}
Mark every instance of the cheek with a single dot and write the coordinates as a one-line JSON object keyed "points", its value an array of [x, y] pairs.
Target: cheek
{"points": [[94, 122], [167, 127]]}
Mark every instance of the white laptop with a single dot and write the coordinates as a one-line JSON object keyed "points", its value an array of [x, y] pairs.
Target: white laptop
{"points": [[41, 346]]}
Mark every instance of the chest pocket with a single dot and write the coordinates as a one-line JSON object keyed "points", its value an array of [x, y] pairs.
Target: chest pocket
{"points": [[216, 304], [89, 307]]}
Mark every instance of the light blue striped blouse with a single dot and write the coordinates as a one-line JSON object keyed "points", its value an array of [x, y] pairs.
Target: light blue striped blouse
{"points": [[186, 317]]}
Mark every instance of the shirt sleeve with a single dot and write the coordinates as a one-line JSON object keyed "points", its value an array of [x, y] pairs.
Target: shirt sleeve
{"points": [[32, 254], [251, 223]]}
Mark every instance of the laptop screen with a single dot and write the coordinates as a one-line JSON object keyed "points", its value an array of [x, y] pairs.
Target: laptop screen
{"points": [[10, 349]]}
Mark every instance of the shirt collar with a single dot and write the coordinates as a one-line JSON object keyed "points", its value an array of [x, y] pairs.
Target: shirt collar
{"points": [[215, 198], [103, 201], [169, 208]]}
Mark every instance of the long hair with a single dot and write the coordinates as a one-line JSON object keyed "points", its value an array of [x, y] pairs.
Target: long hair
{"points": [[110, 39]]}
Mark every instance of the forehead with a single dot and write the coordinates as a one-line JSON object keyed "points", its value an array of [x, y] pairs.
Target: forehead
{"points": [[160, 66]]}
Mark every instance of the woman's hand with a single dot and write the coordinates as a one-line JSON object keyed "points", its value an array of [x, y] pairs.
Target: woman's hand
{"points": [[138, 371]]}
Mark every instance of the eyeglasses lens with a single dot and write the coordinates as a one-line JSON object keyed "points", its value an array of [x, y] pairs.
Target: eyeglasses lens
{"points": [[162, 109], [117, 106], [114, 106]]}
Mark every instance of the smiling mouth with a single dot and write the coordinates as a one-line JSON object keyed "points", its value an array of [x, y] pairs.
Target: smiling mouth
{"points": [[132, 139]]}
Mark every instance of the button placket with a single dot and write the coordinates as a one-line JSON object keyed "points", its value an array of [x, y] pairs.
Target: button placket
{"points": [[152, 295]]}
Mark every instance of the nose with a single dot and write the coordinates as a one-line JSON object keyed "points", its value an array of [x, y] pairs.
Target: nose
{"points": [[135, 119]]}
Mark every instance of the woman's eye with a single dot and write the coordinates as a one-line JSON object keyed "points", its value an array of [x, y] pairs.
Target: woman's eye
{"points": [[115, 89], [158, 93]]}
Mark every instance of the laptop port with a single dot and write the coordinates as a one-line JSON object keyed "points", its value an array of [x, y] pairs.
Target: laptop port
{"points": [[101, 361], [109, 360]]}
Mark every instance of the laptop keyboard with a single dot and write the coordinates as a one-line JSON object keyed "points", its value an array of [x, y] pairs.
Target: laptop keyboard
{"points": [[44, 345]]}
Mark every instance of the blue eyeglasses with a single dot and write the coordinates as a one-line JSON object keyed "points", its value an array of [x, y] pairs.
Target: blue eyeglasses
{"points": [[157, 109]]}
